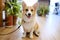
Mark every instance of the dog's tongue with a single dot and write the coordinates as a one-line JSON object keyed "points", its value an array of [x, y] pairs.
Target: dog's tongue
{"points": [[29, 16]]}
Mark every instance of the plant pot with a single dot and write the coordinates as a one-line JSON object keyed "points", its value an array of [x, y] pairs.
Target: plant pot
{"points": [[14, 20], [9, 20], [44, 14], [39, 14]]}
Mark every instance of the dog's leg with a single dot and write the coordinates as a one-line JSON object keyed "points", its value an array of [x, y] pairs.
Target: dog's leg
{"points": [[37, 33], [31, 34], [37, 30], [24, 34]]}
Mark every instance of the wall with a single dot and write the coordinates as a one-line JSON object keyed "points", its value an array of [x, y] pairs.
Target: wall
{"points": [[43, 3]]}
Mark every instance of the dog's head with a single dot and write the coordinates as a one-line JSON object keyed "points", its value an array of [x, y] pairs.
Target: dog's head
{"points": [[29, 11]]}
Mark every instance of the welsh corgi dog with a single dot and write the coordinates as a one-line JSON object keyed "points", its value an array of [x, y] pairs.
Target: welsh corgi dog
{"points": [[29, 20]]}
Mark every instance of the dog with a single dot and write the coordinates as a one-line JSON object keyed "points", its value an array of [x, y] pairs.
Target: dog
{"points": [[29, 20]]}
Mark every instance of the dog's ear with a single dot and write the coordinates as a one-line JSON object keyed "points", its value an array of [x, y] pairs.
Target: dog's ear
{"points": [[35, 5], [23, 4]]}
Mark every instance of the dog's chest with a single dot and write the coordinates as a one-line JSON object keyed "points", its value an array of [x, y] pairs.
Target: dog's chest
{"points": [[28, 26]]}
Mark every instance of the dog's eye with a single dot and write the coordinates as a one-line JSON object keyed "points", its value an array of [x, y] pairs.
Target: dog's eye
{"points": [[26, 9], [31, 9]]}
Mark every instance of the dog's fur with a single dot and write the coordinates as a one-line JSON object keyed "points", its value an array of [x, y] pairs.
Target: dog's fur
{"points": [[29, 22]]}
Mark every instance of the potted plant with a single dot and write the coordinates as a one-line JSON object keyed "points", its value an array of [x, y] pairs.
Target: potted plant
{"points": [[39, 12], [42, 11], [9, 14], [46, 10], [16, 10], [13, 9]]}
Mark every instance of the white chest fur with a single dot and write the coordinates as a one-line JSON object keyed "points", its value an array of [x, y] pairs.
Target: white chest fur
{"points": [[28, 26]]}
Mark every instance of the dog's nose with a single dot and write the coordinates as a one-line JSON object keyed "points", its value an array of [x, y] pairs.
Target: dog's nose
{"points": [[29, 14]]}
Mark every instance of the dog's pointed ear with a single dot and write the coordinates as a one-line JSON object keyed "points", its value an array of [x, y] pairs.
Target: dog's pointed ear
{"points": [[23, 4], [35, 5]]}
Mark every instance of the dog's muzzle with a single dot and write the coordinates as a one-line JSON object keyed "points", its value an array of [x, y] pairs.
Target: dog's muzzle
{"points": [[28, 15]]}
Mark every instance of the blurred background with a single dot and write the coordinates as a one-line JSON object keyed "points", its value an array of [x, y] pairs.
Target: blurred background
{"points": [[48, 17]]}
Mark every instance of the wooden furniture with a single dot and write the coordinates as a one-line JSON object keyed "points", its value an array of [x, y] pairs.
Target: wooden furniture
{"points": [[1, 9]]}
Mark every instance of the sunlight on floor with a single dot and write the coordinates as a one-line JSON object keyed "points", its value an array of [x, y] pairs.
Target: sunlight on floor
{"points": [[51, 31]]}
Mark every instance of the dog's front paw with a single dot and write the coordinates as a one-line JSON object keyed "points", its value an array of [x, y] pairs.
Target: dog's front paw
{"points": [[24, 35], [31, 36]]}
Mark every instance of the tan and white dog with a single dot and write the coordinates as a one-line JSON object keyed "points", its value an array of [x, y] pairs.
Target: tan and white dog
{"points": [[29, 19]]}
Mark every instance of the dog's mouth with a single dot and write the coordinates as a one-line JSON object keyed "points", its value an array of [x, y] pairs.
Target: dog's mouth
{"points": [[28, 16]]}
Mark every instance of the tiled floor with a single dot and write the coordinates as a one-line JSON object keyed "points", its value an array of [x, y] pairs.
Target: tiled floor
{"points": [[50, 30]]}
